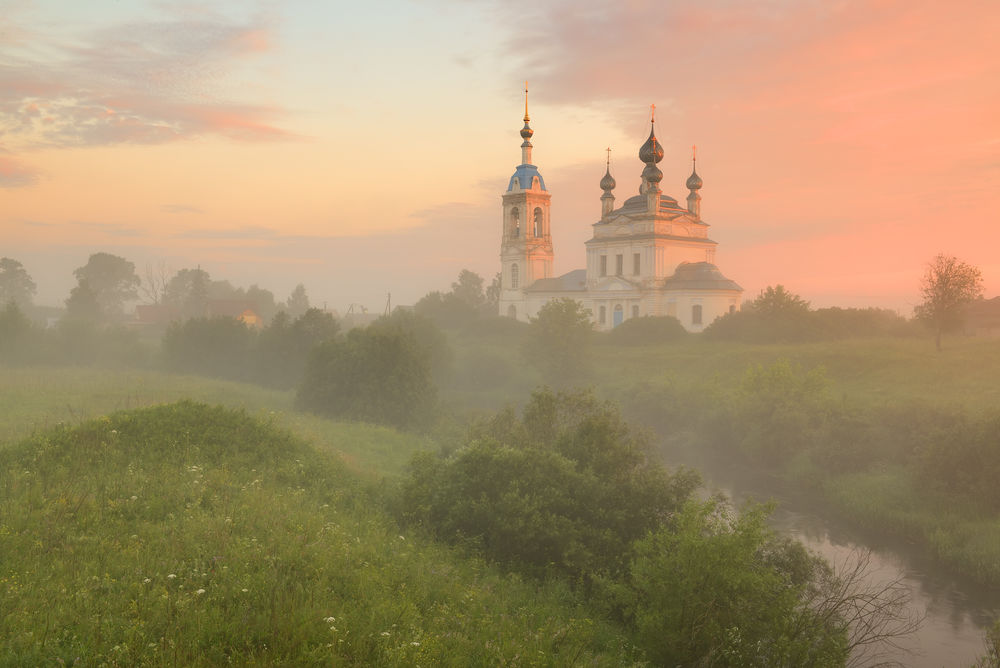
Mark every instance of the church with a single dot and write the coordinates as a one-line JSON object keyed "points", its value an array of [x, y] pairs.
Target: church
{"points": [[647, 257]]}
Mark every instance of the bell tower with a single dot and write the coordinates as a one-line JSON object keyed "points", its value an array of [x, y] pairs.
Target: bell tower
{"points": [[526, 246]]}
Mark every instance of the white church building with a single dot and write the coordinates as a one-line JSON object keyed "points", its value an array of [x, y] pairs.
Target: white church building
{"points": [[648, 256]]}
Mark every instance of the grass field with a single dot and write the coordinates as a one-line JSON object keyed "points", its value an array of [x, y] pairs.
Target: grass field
{"points": [[184, 534]]}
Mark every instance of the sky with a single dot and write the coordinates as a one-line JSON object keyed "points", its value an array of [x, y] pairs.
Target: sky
{"points": [[362, 148]]}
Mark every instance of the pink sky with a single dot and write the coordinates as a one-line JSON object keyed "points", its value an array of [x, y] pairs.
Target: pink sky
{"points": [[842, 144]]}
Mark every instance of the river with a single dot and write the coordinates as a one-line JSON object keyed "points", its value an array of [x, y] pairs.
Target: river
{"points": [[955, 612]]}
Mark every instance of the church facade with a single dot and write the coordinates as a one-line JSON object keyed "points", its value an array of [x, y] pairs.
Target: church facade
{"points": [[649, 256]]}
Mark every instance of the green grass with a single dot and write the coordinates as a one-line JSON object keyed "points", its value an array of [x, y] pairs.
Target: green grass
{"points": [[184, 534]]}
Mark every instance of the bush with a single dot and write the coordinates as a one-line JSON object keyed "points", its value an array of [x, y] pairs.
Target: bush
{"points": [[219, 347], [566, 487], [283, 347], [378, 374], [648, 330]]}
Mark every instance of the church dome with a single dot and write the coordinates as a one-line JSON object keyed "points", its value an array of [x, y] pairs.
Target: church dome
{"points": [[652, 173], [608, 182], [652, 150], [694, 181], [526, 131], [699, 276]]}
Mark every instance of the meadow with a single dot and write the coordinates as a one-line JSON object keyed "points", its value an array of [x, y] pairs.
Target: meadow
{"points": [[184, 534]]}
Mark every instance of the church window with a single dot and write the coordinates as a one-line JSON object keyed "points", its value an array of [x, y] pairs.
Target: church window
{"points": [[732, 308], [514, 282], [512, 311], [619, 265], [619, 315], [604, 267], [539, 232], [635, 264], [515, 222], [635, 310], [696, 314], [602, 315]]}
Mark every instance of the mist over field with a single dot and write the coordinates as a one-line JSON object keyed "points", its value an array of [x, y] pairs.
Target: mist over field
{"points": [[303, 361]]}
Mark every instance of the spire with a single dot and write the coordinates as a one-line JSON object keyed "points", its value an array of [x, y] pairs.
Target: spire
{"points": [[607, 185], [526, 131], [694, 184]]}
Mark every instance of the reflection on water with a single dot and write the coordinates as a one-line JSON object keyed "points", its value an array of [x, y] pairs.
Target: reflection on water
{"points": [[955, 612]]}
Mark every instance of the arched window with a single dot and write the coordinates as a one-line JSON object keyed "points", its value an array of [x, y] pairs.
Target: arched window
{"points": [[696, 314], [618, 316], [512, 311], [539, 232], [514, 279], [515, 222]]}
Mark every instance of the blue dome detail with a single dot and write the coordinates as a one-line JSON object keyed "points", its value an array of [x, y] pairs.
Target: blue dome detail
{"points": [[524, 175]]}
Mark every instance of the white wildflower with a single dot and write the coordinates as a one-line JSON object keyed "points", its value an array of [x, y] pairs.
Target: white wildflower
{"points": [[171, 576], [200, 592]]}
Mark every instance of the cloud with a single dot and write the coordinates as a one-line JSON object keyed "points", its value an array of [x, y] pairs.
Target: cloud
{"points": [[112, 229], [140, 83], [251, 232], [180, 208], [16, 174]]}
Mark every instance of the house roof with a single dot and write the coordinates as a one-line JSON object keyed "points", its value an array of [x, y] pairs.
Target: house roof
{"points": [[574, 281]]}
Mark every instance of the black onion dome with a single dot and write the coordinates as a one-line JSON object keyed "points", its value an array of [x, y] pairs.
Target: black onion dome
{"points": [[652, 173], [652, 150], [694, 181], [608, 182]]}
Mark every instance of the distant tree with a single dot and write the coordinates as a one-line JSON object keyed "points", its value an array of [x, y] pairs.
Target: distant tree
{"points": [[284, 346], [445, 309], [558, 341], [947, 286], [428, 337], [83, 304], [15, 284], [187, 291], [298, 302], [154, 283], [774, 316], [263, 301], [219, 347], [492, 304], [374, 374], [776, 299], [648, 330], [17, 334], [113, 281], [469, 288]]}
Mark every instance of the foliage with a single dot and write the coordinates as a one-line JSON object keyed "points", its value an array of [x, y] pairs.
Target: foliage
{"points": [[18, 335], [189, 535], [775, 301], [721, 589], [774, 316], [82, 304], [564, 488], [492, 295], [647, 330], [991, 658], [113, 281], [282, 348], [429, 339], [464, 304], [379, 374], [558, 341], [298, 302], [187, 291], [469, 289], [15, 283], [780, 408], [219, 347], [946, 287], [963, 458]]}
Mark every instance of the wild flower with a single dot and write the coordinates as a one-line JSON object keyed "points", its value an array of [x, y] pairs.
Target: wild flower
{"points": [[329, 620], [385, 634], [200, 592], [171, 576], [146, 581]]}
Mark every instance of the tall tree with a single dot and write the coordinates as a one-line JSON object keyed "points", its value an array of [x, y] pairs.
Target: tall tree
{"points": [[469, 288], [82, 305], [113, 281], [558, 341], [188, 291], [15, 283], [298, 302], [947, 286]]}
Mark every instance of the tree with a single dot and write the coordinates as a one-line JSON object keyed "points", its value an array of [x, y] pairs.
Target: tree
{"points": [[188, 292], [777, 300], [283, 347], [298, 302], [218, 347], [469, 288], [492, 305], [113, 281], [82, 305], [565, 487], [154, 283], [558, 341], [774, 316], [17, 333], [375, 374], [15, 284], [947, 286]]}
